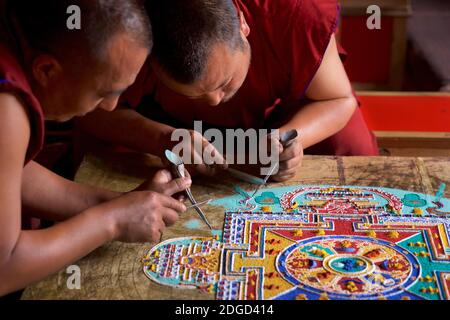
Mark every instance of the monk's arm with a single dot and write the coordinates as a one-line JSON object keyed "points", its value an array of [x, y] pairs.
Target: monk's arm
{"points": [[35, 255], [334, 102], [27, 256], [48, 196], [128, 128]]}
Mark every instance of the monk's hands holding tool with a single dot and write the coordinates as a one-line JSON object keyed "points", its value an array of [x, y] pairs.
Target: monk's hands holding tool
{"points": [[142, 216], [164, 182], [205, 159], [290, 157]]}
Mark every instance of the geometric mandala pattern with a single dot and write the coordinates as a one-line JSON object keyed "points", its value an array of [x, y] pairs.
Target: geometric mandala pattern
{"points": [[316, 242]]}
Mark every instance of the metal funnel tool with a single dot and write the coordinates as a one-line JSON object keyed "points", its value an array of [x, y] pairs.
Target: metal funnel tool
{"points": [[286, 139], [178, 164]]}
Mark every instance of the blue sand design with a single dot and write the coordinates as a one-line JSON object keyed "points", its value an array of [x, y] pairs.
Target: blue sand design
{"points": [[193, 224], [348, 265], [440, 192], [241, 191], [267, 198], [231, 203], [414, 201]]}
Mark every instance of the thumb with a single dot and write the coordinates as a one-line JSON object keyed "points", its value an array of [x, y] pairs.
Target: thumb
{"points": [[162, 176], [176, 186], [278, 145]]}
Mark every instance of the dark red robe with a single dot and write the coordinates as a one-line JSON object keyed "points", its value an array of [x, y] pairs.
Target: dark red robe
{"points": [[13, 80], [288, 40]]}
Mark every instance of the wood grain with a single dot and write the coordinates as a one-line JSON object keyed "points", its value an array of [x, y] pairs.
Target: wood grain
{"points": [[114, 271]]}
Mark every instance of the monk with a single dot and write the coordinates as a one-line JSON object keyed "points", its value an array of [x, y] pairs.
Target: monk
{"points": [[242, 64], [50, 72]]}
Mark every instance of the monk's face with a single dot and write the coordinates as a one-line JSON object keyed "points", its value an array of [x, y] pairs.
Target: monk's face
{"points": [[226, 71], [69, 91], [224, 75]]}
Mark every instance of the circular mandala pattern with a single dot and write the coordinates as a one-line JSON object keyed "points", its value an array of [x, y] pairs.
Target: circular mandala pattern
{"points": [[348, 265], [345, 266]]}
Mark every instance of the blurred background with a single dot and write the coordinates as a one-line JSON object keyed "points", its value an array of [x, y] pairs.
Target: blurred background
{"points": [[411, 52], [402, 72]]}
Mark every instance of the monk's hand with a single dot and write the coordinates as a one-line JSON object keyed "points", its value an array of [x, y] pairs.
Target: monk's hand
{"points": [[164, 182], [290, 158], [204, 158], [141, 216]]}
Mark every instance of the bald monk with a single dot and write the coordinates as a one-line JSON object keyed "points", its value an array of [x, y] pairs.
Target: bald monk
{"points": [[242, 64], [50, 72]]}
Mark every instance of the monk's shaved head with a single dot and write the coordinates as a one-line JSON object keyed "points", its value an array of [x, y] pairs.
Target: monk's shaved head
{"points": [[43, 24], [73, 72], [185, 32], [200, 47]]}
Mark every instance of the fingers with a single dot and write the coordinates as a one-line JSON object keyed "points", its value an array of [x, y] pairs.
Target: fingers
{"points": [[186, 173], [156, 232], [217, 159], [176, 186], [292, 151], [197, 158], [180, 197], [210, 170], [290, 164], [288, 170], [214, 160], [273, 141], [157, 182], [285, 176], [173, 204], [169, 217], [290, 161], [162, 176], [205, 170]]}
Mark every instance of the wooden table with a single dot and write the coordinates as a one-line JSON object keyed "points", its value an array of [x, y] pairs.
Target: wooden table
{"points": [[114, 271]]}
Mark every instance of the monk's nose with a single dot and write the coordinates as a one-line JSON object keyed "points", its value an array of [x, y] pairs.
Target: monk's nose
{"points": [[109, 105], [215, 98]]}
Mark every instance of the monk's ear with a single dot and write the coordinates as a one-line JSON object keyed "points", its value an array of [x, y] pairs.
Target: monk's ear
{"points": [[46, 69], [245, 29]]}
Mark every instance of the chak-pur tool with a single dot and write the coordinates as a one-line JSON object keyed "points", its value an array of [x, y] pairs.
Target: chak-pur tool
{"points": [[178, 165], [199, 204], [286, 140]]}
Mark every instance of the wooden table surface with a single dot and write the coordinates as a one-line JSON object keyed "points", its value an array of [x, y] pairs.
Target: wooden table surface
{"points": [[114, 271]]}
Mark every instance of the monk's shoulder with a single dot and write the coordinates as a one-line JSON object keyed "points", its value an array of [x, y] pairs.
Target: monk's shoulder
{"points": [[14, 123], [285, 16]]}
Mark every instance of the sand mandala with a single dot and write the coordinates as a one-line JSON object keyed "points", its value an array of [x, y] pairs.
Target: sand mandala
{"points": [[316, 242]]}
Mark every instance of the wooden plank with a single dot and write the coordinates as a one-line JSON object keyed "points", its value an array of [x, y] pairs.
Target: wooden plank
{"points": [[398, 139], [402, 93], [114, 271], [398, 53], [416, 152], [368, 87], [392, 8]]}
